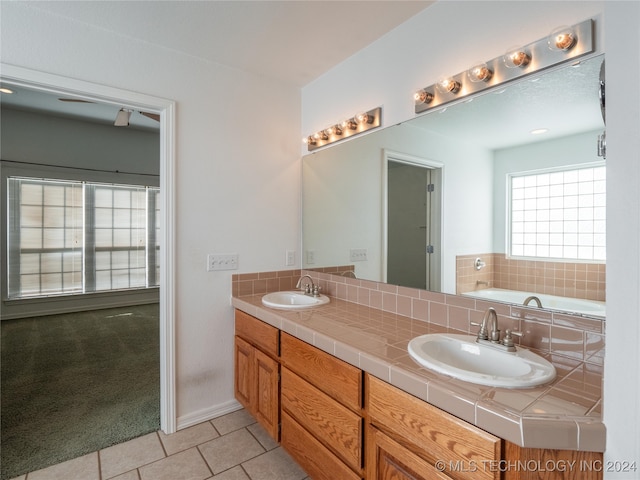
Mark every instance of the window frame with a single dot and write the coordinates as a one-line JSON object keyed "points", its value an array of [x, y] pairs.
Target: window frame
{"points": [[509, 213], [38, 171]]}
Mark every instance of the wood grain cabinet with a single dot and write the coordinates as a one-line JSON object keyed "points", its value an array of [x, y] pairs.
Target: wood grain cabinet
{"points": [[408, 438], [321, 403], [339, 423], [389, 460], [257, 371]]}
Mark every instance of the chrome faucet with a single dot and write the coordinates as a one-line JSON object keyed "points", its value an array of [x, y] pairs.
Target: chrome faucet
{"points": [[532, 298], [309, 288]]}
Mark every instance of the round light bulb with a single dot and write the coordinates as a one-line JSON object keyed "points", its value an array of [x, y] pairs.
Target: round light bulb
{"points": [[516, 58], [448, 85], [562, 38], [480, 73], [362, 117], [423, 96]]}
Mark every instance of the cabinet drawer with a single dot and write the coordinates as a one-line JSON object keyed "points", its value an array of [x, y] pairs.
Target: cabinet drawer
{"points": [[436, 434], [311, 455], [336, 378], [333, 424], [388, 459], [258, 333]]}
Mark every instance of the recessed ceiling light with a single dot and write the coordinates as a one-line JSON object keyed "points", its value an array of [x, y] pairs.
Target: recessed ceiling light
{"points": [[539, 131], [5, 90]]}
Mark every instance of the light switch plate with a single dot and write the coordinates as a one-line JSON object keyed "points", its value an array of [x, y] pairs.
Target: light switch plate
{"points": [[358, 255], [290, 259], [227, 261]]}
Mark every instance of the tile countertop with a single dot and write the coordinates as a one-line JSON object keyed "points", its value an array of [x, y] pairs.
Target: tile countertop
{"points": [[565, 414]]}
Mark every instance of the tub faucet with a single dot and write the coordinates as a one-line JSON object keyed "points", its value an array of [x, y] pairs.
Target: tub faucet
{"points": [[309, 288], [532, 298]]}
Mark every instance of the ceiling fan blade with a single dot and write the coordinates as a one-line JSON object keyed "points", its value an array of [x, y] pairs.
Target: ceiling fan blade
{"points": [[122, 118], [152, 116], [77, 100]]}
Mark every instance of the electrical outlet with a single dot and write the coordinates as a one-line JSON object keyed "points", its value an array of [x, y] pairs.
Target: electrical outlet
{"points": [[227, 261], [291, 258], [358, 255], [311, 257]]}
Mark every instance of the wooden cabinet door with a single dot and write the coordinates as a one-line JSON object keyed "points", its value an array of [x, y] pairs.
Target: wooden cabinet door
{"points": [[266, 403], [244, 381], [388, 460], [256, 385]]}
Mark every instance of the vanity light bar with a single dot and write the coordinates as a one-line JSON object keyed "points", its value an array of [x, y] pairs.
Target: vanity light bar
{"points": [[562, 45], [359, 123]]}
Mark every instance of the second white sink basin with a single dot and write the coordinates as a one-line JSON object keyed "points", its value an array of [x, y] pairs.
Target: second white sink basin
{"points": [[461, 357], [293, 300]]}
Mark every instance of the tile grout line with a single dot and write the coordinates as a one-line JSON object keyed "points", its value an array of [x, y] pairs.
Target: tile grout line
{"points": [[197, 447], [162, 444]]}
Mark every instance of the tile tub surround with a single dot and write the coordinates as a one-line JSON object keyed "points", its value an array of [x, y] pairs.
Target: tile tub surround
{"points": [[369, 325], [565, 279]]}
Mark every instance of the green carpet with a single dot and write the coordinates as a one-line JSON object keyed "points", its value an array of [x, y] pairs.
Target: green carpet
{"points": [[76, 383]]}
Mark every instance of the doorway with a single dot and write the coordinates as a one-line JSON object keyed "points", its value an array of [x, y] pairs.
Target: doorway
{"points": [[90, 92], [412, 221]]}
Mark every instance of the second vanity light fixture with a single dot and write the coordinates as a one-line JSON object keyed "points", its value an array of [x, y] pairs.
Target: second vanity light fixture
{"points": [[562, 44], [359, 123]]}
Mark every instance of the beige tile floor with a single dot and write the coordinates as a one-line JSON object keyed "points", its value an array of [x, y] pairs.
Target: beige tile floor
{"points": [[231, 447]]}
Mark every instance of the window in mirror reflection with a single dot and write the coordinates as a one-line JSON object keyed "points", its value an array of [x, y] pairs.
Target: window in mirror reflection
{"points": [[559, 214]]}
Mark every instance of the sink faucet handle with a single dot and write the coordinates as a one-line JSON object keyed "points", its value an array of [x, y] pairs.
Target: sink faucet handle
{"points": [[507, 341], [482, 333]]}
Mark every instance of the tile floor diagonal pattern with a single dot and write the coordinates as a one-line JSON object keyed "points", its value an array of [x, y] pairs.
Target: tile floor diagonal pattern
{"points": [[231, 447]]}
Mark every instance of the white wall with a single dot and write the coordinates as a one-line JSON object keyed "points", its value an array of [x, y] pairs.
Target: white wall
{"points": [[622, 361], [417, 53], [34, 138], [237, 182]]}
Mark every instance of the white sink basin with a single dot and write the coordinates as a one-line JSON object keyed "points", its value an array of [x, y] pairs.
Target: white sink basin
{"points": [[293, 300], [461, 357]]}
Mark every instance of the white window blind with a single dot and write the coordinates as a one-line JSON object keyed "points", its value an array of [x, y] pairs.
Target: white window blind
{"points": [[70, 237], [559, 214]]}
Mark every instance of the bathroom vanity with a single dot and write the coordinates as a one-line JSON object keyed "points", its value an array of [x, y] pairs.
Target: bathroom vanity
{"points": [[334, 386]]}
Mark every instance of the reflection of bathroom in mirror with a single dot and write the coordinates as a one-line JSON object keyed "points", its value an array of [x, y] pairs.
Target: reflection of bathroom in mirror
{"points": [[511, 177]]}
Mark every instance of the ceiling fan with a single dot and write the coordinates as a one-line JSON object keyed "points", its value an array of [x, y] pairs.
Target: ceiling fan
{"points": [[123, 115]]}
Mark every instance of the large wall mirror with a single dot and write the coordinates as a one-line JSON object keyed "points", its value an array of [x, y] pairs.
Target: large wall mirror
{"points": [[498, 196]]}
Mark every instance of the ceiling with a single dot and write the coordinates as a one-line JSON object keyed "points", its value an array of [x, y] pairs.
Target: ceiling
{"points": [[290, 41]]}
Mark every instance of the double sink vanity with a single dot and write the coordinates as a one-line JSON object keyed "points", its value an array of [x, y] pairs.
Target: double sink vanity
{"points": [[352, 391]]}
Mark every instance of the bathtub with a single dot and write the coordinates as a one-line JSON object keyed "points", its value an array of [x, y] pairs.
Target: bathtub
{"points": [[573, 305]]}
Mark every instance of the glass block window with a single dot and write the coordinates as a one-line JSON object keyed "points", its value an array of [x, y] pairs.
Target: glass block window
{"points": [[76, 237], [559, 214]]}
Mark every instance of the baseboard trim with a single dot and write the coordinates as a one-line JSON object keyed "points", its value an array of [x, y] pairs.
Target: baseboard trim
{"points": [[208, 414], [56, 305]]}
